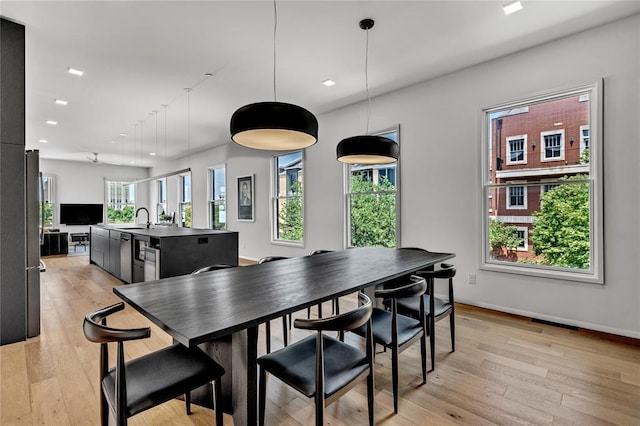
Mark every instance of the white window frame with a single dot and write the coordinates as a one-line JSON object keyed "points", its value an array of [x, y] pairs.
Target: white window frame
{"points": [[524, 149], [525, 191], [162, 203], [107, 202], [182, 203], [275, 197], [543, 147], [347, 193], [222, 201], [595, 274]]}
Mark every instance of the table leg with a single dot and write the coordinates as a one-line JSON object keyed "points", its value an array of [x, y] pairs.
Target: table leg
{"points": [[245, 376]]}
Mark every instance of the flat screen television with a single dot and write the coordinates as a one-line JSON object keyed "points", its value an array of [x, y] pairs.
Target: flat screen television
{"points": [[81, 214]]}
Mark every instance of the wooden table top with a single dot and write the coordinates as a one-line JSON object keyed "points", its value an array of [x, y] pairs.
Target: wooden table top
{"points": [[200, 308]]}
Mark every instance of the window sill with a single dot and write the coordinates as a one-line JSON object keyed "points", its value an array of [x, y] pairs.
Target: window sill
{"points": [[566, 275]]}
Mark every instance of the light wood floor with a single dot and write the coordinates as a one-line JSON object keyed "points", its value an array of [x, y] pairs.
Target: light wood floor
{"points": [[506, 370]]}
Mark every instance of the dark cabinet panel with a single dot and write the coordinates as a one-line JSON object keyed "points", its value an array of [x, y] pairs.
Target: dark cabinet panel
{"points": [[55, 243]]}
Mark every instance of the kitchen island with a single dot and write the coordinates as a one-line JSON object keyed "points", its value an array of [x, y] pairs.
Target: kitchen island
{"points": [[132, 252]]}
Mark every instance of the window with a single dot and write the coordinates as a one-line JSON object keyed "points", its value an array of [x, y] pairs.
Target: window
{"points": [[161, 208], [552, 145], [46, 205], [561, 235], [372, 193], [517, 197], [584, 139], [185, 200], [517, 152], [522, 233], [288, 197], [217, 198], [121, 201]]}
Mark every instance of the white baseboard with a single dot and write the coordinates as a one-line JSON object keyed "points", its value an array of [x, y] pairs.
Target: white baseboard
{"points": [[581, 324]]}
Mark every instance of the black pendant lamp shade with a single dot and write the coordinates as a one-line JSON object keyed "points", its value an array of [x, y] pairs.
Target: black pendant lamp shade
{"points": [[367, 149], [274, 126]]}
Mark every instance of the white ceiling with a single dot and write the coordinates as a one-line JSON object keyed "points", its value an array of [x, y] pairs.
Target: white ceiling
{"points": [[138, 56]]}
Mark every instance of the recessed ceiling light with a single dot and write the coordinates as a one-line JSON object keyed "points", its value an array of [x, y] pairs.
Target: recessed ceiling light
{"points": [[123, 134], [512, 7], [152, 154], [61, 102], [75, 71], [132, 162], [52, 122], [328, 82], [43, 141], [113, 141]]}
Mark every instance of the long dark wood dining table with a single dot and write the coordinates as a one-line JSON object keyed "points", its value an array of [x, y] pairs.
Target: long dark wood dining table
{"points": [[221, 310]]}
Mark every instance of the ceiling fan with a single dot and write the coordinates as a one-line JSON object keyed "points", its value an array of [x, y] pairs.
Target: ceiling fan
{"points": [[94, 159]]}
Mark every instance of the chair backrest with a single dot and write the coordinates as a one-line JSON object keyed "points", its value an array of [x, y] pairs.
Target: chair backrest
{"points": [[415, 288], [314, 252], [271, 259], [96, 330], [448, 271], [211, 268], [342, 322]]}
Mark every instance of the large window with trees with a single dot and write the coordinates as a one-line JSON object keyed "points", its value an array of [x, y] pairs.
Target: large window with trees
{"points": [[372, 193], [288, 197], [121, 201], [217, 198], [544, 216], [185, 200]]}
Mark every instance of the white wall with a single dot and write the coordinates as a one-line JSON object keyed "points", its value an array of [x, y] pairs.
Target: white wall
{"points": [[440, 172], [83, 183]]}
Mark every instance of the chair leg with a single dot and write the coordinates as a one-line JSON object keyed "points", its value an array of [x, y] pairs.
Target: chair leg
{"points": [[187, 402], [423, 353], [309, 312], [217, 397], [370, 398], [432, 342], [285, 333], [290, 321], [104, 409], [268, 335], [262, 395], [394, 377], [337, 305], [452, 326], [319, 310]]}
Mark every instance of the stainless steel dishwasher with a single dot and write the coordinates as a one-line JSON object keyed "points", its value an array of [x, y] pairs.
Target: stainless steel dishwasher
{"points": [[126, 255]]}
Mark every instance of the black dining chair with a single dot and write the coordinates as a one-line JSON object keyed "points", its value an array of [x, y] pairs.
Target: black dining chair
{"points": [[436, 308], [285, 333], [142, 383], [209, 268], [398, 332], [321, 367], [335, 306]]}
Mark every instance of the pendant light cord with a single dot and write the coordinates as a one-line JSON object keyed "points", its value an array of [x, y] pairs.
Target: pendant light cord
{"points": [[189, 124], [366, 81], [275, 28]]}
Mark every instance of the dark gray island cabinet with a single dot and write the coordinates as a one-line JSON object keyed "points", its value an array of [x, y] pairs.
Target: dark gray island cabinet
{"points": [[131, 253]]}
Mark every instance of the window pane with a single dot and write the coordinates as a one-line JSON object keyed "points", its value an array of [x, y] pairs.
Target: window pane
{"points": [[121, 202], [217, 203], [373, 220], [289, 200]]}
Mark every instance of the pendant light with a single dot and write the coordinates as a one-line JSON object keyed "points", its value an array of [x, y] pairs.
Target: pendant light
{"points": [[274, 125], [367, 149]]}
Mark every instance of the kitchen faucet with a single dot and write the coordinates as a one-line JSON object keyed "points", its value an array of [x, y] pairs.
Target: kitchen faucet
{"points": [[145, 209]]}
